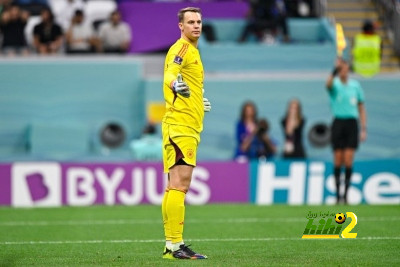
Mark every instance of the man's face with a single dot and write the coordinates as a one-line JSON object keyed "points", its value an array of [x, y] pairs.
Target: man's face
{"points": [[79, 19], [45, 15], [115, 18], [191, 25], [14, 12]]}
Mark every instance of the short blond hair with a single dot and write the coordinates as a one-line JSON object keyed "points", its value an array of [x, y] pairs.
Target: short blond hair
{"points": [[182, 12]]}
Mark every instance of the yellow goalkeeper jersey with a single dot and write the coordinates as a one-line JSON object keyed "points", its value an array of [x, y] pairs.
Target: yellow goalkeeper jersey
{"points": [[185, 59]]}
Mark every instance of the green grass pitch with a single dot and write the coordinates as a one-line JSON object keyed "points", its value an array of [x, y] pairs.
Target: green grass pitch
{"points": [[231, 235]]}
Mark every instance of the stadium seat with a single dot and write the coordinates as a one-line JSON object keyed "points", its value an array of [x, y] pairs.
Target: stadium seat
{"points": [[53, 139], [304, 30], [56, 6], [309, 30], [96, 24], [99, 9], [32, 22], [227, 30]]}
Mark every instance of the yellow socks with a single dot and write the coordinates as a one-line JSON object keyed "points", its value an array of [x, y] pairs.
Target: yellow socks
{"points": [[167, 229], [175, 214]]}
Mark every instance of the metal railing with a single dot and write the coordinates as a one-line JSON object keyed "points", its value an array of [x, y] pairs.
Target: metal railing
{"points": [[389, 11]]}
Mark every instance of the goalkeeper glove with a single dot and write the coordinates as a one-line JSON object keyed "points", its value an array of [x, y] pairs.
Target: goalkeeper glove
{"points": [[180, 87], [206, 104]]}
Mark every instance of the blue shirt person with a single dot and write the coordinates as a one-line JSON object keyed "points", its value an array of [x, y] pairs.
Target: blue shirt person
{"points": [[148, 147], [347, 104]]}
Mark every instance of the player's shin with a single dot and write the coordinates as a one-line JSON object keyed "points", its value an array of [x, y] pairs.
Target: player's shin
{"points": [[175, 209], [348, 173], [336, 173], [167, 228]]}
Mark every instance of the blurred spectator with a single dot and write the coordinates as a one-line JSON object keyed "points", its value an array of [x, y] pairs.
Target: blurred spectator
{"points": [[293, 124], [12, 25], [209, 33], [245, 127], [259, 144], [149, 146], [80, 36], [66, 10], [115, 35], [4, 5], [48, 36], [367, 51], [266, 15]]}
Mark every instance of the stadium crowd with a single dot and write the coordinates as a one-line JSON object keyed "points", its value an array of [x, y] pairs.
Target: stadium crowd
{"points": [[67, 26], [42, 27], [253, 140]]}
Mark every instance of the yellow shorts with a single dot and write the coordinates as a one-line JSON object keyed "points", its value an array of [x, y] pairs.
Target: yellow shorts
{"points": [[179, 142]]}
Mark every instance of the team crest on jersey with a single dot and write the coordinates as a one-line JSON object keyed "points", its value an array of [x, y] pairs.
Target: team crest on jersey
{"points": [[178, 60], [190, 153]]}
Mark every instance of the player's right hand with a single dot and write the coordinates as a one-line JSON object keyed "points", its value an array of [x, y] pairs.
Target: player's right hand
{"points": [[206, 105], [180, 87]]}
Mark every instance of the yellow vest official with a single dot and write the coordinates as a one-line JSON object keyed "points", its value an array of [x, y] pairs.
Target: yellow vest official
{"points": [[367, 54]]}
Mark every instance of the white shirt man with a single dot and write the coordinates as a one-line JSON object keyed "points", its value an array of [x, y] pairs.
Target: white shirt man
{"points": [[80, 35], [65, 10], [115, 35]]}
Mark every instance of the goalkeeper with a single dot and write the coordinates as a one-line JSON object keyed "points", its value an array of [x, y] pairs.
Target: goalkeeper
{"points": [[181, 128]]}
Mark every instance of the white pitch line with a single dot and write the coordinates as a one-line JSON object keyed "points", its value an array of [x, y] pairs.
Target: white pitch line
{"points": [[191, 221], [79, 222], [265, 239]]}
